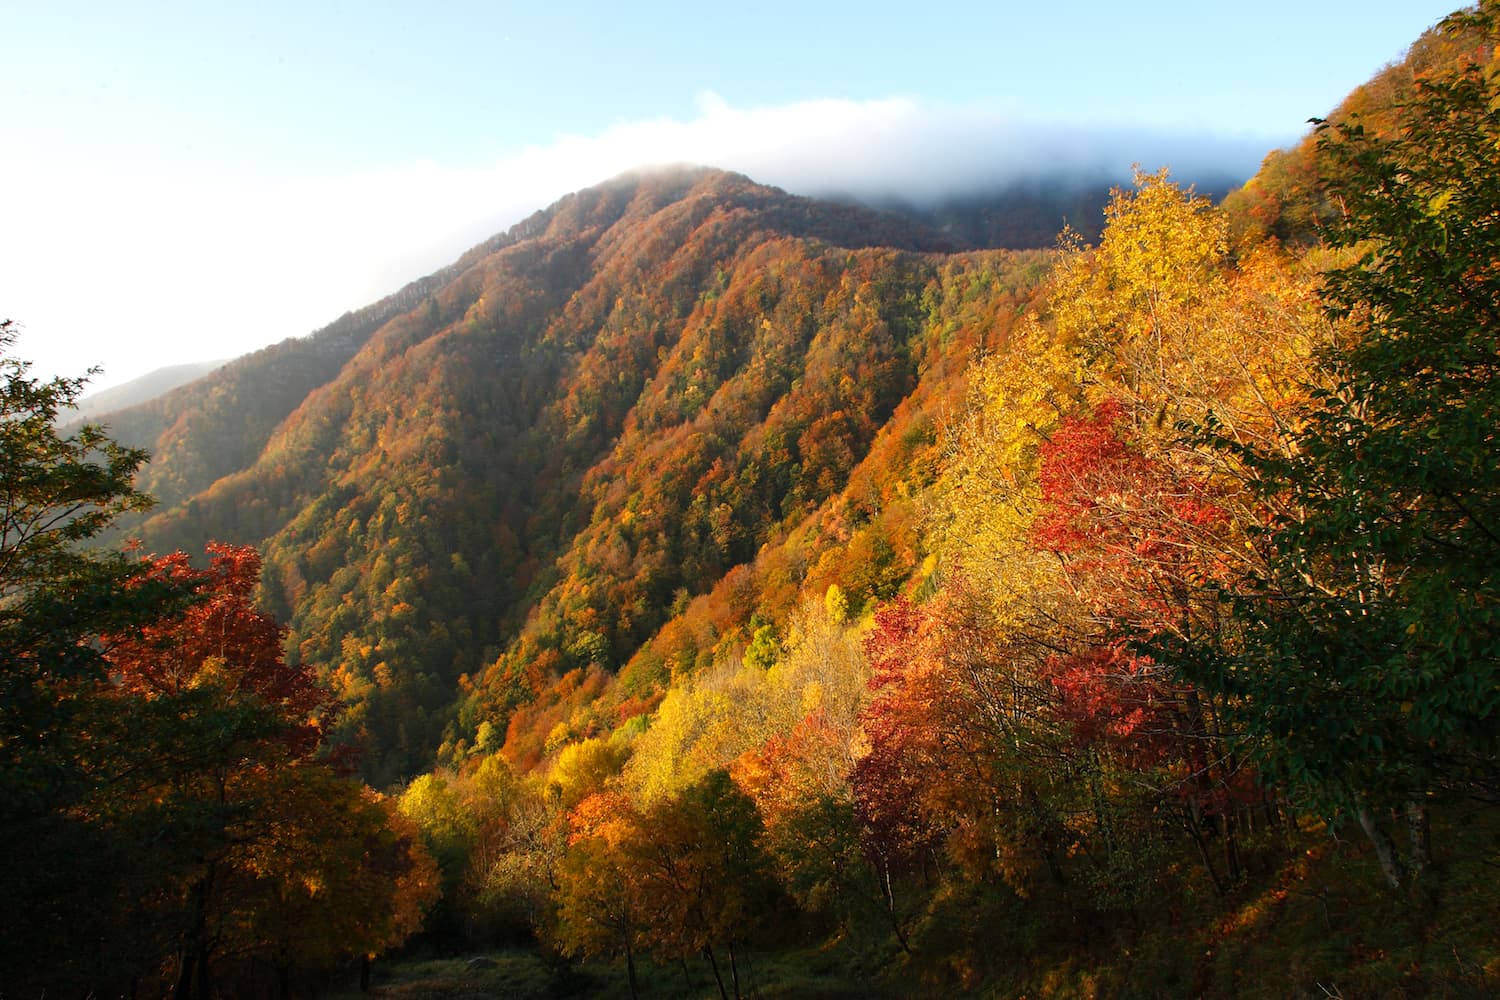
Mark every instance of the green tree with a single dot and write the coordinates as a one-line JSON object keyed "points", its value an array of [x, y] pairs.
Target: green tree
{"points": [[1370, 673], [57, 493]]}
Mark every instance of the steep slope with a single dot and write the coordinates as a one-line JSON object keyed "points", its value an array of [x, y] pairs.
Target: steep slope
{"points": [[219, 424], [576, 432], [851, 476]]}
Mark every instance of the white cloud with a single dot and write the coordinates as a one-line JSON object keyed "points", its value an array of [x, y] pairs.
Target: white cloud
{"points": [[108, 264]]}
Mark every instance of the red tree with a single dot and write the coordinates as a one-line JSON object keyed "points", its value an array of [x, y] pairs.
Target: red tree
{"points": [[221, 637]]}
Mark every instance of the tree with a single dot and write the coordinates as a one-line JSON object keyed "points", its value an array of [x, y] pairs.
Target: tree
{"points": [[599, 906], [275, 854], [702, 875], [161, 783], [338, 871], [57, 493], [1371, 658]]}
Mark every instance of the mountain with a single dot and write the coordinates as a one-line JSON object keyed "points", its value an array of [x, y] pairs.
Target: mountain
{"points": [[527, 464], [1030, 214], [219, 424], [557, 457], [139, 390], [753, 573]]}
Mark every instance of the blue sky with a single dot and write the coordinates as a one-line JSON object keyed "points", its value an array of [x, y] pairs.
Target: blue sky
{"points": [[190, 181]]}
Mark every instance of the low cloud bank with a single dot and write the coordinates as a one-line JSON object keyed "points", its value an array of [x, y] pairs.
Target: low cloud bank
{"points": [[135, 271]]}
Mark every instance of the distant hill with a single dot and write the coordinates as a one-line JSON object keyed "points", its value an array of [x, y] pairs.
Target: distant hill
{"points": [[1029, 215], [219, 424], [139, 390]]}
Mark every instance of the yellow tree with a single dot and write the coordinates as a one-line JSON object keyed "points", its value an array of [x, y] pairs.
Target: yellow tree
{"points": [[1161, 321], [357, 881], [1078, 541]]}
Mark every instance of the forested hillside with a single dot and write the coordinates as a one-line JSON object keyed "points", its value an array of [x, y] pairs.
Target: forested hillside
{"points": [[137, 391], [576, 434], [711, 576], [219, 425]]}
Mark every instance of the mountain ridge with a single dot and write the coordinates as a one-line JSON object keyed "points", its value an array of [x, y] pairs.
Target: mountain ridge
{"points": [[445, 470], [139, 390]]}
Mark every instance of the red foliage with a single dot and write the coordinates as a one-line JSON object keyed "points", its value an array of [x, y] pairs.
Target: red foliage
{"points": [[794, 768], [221, 634], [1138, 534], [1110, 696], [891, 781], [592, 816], [1142, 541]]}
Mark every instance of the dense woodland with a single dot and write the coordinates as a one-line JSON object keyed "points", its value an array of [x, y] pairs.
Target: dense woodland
{"points": [[697, 576]]}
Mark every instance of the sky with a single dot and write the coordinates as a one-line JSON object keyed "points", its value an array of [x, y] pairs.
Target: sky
{"points": [[191, 181]]}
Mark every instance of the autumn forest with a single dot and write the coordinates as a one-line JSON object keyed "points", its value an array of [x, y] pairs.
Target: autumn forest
{"points": [[699, 590]]}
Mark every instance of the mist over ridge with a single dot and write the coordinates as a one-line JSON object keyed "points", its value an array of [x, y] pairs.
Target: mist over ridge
{"points": [[360, 236]]}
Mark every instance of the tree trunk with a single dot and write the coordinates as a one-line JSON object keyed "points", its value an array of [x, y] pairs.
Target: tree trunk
{"points": [[1195, 831], [708, 951], [204, 992], [1419, 836], [1101, 820], [195, 942], [184, 976], [1229, 828], [364, 973], [890, 909], [1390, 863], [1054, 868], [734, 971], [630, 971], [749, 973]]}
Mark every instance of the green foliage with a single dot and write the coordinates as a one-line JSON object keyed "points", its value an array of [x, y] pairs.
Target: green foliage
{"points": [[1370, 675], [56, 494]]}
